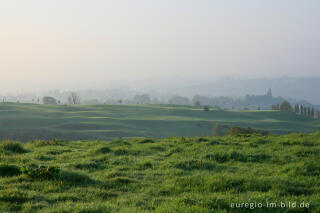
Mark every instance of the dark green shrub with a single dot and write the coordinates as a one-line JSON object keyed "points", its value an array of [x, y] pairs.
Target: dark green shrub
{"points": [[12, 146], [42, 172], [146, 140], [9, 170], [236, 130], [54, 173]]}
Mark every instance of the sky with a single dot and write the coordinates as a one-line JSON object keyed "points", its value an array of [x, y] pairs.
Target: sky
{"points": [[74, 44]]}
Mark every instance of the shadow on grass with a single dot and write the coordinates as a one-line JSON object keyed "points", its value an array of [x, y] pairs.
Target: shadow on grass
{"points": [[9, 170], [282, 187], [76, 179], [118, 183], [236, 156], [103, 150], [91, 166], [13, 196]]}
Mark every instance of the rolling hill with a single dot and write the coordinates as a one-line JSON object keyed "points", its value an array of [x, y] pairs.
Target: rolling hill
{"points": [[27, 122]]}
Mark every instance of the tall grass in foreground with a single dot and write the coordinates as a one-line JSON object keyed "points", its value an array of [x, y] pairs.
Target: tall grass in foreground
{"points": [[203, 174]]}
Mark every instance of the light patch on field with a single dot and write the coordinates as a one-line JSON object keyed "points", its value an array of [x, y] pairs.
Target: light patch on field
{"points": [[270, 120]]}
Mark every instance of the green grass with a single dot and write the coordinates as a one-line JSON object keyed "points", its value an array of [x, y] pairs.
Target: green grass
{"points": [[26, 122], [190, 174]]}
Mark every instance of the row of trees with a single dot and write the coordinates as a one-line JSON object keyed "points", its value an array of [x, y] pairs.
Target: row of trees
{"points": [[307, 111], [264, 101]]}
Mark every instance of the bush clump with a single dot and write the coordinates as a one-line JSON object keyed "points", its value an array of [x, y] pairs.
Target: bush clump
{"points": [[54, 173], [12, 146], [42, 172], [146, 140], [236, 130]]}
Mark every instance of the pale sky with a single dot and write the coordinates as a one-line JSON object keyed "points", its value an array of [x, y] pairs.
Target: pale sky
{"points": [[47, 44]]}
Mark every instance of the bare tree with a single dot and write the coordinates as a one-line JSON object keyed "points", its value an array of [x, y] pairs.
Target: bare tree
{"points": [[74, 98]]}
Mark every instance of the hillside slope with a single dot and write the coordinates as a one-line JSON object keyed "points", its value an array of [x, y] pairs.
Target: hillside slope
{"points": [[29, 122]]}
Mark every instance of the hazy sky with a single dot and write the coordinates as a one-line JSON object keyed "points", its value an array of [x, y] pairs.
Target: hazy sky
{"points": [[46, 44]]}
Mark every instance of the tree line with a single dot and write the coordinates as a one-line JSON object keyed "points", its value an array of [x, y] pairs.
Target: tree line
{"points": [[260, 102], [299, 109]]}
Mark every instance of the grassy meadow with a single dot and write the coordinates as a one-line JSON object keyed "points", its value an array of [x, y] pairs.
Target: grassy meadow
{"points": [[26, 122], [73, 159], [178, 174]]}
